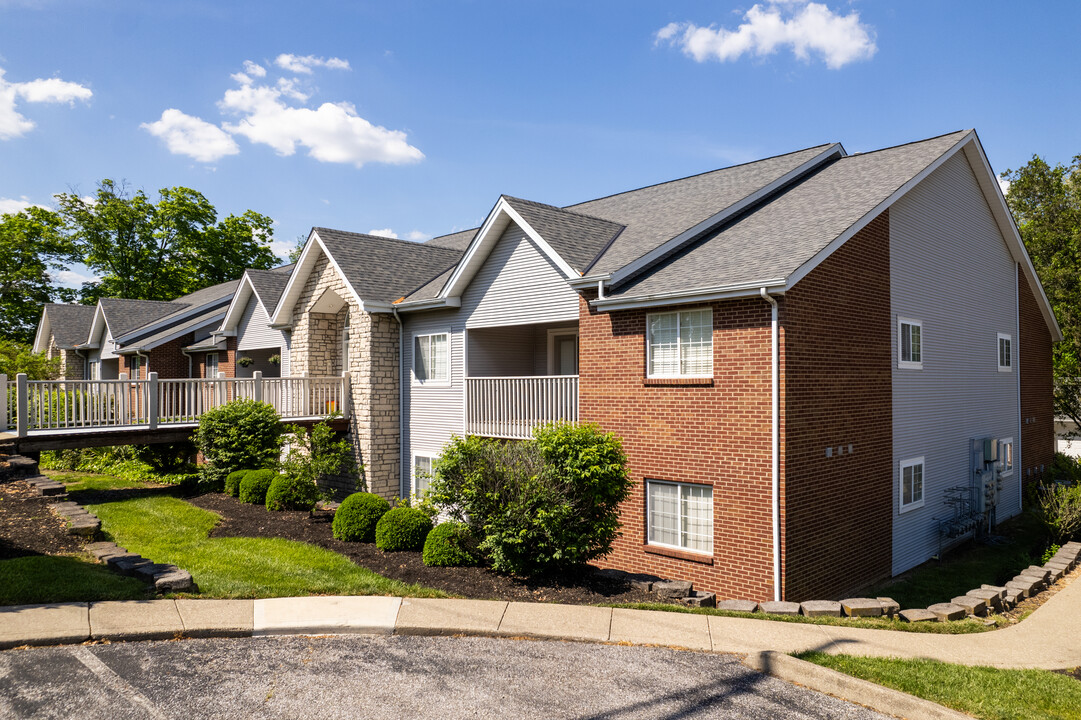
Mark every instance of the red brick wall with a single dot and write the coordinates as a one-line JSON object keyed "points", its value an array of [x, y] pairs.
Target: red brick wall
{"points": [[226, 360], [166, 360], [838, 374], [717, 434], [1037, 402]]}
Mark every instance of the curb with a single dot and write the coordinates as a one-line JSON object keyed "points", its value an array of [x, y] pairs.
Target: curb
{"points": [[839, 685]]}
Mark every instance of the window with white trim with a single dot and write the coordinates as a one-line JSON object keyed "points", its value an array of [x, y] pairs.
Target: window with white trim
{"points": [[911, 477], [680, 344], [909, 344], [422, 474], [136, 365], [1005, 352], [680, 515], [431, 358], [1005, 456], [211, 365]]}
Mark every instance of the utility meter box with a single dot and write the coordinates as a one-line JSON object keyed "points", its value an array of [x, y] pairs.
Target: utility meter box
{"points": [[990, 450]]}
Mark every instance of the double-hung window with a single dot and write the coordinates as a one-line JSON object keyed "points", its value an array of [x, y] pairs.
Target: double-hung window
{"points": [[1005, 456], [909, 344], [431, 358], [136, 366], [211, 365], [680, 344], [422, 474], [680, 515], [911, 477], [1005, 354]]}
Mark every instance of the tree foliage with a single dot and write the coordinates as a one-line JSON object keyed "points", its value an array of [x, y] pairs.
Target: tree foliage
{"points": [[16, 357], [1046, 202], [32, 245], [160, 251]]}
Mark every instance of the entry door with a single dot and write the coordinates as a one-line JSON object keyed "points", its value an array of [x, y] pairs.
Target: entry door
{"points": [[566, 354]]}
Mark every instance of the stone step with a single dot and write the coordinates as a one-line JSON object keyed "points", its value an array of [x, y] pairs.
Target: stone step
{"points": [[21, 467], [972, 605], [176, 581], [744, 606], [820, 608], [780, 608], [862, 607], [701, 598], [947, 611], [918, 615], [673, 589]]}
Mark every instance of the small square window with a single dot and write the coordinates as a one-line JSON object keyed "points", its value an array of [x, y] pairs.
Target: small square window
{"points": [[680, 515], [1005, 352], [909, 344], [431, 358], [911, 479]]}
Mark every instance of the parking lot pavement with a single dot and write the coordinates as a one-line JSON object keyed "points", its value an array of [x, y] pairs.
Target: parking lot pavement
{"points": [[394, 677]]}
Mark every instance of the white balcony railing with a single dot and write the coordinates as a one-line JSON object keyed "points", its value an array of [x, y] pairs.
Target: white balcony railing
{"points": [[91, 404], [510, 407]]}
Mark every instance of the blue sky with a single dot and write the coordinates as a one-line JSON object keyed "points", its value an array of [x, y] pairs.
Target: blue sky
{"points": [[413, 117]]}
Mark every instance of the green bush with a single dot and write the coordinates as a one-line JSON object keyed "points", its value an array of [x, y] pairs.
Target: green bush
{"points": [[117, 461], [402, 528], [316, 455], [356, 518], [233, 480], [290, 493], [254, 486], [450, 544], [1060, 511], [165, 457], [536, 505], [237, 435]]}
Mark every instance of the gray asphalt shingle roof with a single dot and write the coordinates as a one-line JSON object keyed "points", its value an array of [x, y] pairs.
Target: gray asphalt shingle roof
{"points": [[125, 316], [180, 327], [269, 285], [456, 241], [70, 324], [577, 238], [382, 268], [778, 237]]}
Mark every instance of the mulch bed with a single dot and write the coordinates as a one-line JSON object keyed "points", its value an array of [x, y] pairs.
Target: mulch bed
{"points": [[28, 527], [581, 587]]}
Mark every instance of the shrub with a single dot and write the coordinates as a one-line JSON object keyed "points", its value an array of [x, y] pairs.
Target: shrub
{"points": [[254, 486], [357, 516], [318, 454], [233, 480], [165, 457], [118, 461], [290, 493], [1060, 511], [536, 505], [402, 528], [450, 544], [237, 435]]}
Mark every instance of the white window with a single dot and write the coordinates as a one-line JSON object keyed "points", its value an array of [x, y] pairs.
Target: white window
{"points": [[680, 344], [136, 366], [1005, 354], [680, 515], [911, 484], [431, 358], [909, 344], [211, 365], [422, 474], [1005, 456]]}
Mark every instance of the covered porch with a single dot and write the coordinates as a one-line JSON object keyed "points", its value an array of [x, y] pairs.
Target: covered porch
{"points": [[519, 377]]}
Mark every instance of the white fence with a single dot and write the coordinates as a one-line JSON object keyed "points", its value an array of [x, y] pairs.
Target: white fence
{"points": [[43, 405], [510, 407]]}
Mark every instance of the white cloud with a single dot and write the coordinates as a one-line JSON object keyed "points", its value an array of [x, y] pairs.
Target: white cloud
{"points": [[281, 249], [70, 278], [1004, 184], [50, 90], [385, 232], [304, 64], [807, 28], [333, 132], [10, 206], [254, 69], [187, 135], [418, 236]]}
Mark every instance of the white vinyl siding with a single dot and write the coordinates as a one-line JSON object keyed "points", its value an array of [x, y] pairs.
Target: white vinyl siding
{"points": [[911, 487], [1005, 353], [431, 358], [680, 344], [680, 515], [910, 344], [951, 269]]}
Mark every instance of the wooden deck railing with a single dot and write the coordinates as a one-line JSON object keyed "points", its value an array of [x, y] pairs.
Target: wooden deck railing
{"points": [[510, 407], [42, 405]]}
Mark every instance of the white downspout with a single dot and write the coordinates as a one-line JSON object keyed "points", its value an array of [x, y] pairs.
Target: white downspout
{"points": [[402, 490], [775, 444], [187, 354]]}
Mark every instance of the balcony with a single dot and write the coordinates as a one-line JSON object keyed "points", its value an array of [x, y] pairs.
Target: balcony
{"points": [[510, 407]]}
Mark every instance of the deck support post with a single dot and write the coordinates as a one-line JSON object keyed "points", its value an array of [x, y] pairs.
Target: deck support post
{"points": [[22, 404], [152, 400]]}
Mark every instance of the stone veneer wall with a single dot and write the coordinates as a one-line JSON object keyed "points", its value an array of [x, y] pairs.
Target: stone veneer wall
{"points": [[71, 363], [373, 368]]}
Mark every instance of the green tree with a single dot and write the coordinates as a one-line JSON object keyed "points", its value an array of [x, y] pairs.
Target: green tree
{"points": [[31, 246], [16, 357], [1046, 202], [162, 250]]}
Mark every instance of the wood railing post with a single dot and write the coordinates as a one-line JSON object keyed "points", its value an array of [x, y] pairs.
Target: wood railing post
{"points": [[152, 400], [125, 400], [219, 390], [257, 385], [22, 404]]}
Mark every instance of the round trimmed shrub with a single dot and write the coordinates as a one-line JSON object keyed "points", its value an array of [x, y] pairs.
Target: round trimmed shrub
{"points": [[290, 493], [356, 518], [254, 486], [402, 528], [450, 544], [233, 480]]}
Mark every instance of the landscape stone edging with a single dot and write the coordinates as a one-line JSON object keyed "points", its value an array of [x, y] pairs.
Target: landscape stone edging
{"points": [[977, 602]]}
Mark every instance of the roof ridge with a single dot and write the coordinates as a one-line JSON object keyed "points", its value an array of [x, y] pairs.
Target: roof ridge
{"points": [[161, 302], [564, 210], [705, 172], [910, 142], [399, 241]]}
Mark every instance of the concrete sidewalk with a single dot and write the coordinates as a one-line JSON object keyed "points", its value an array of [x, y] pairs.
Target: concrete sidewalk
{"points": [[1050, 638]]}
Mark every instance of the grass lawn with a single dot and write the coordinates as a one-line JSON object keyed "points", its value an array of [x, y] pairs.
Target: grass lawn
{"points": [[958, 627], [969, 567], [168, 530], [49, 578], [984, 692]]}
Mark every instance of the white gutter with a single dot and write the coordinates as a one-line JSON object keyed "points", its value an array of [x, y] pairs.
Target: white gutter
{"points": [[775, 444], [680, 297], [401, 402], [433, 304]]}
